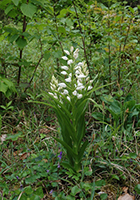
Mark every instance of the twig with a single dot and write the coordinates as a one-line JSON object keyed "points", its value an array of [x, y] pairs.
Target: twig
{"points": [[34, 73], [21, 51], [20, 196]]}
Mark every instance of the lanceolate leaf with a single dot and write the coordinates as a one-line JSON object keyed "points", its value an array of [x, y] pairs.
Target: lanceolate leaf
{"points": [[67, 147], [28, 9], [80, 110], [82, 149], [80, 129], [68, 166], [66, 125]]}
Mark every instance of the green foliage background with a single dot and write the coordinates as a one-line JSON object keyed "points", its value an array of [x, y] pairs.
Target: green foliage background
{"points": [[33, 36]]}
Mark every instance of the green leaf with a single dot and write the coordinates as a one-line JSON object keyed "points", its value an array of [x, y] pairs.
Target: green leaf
{"points": [[69, 22], [57, 54], [8, 9], [61, 29], [3, 87], [39, 192], [64, 119], [31, 179], [80, 129], [70, 197], [98, 116], [9, 103], [68, 166], [28, 9], [115, 107], [131, 9], [8, 82], [81, 152], [88, 173], [4, 2], [16, 2], [23, 197], [114, 176], [137, 188], [133, 155], [129, 104], [67, 147], [86, 186], [39, 2], [13, 13], [138, 133], [62, 13], [75, 190], [28, 190], [93, 190], [103, 196], [100, 183], [47, 55], [21, 42], [13, 38], [4, 107], [34, 197], [14, 137]]}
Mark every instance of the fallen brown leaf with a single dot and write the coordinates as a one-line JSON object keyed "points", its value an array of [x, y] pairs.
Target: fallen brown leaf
{"points": [[24, 156], [126, 197]]}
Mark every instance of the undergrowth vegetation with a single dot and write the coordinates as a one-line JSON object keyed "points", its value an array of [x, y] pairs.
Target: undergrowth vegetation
{"points": [[69, 99]]}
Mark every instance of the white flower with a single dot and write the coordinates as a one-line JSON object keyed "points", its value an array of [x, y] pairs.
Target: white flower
{"points": [[68, 98], [89, 87], [81, 76], [70, 62], [54, 80], [64, 57], [67, 52], [77, 72], [63, 85], [80, 87], [54, 95], [78, 83], [64, 67], [59, 88], [51, 93], [80, 63], [71, 49], [53, 87], [79, 96], [64, 73], [75, 54], [74, 93], [65, 91], [77, 67], [68, 79]]}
